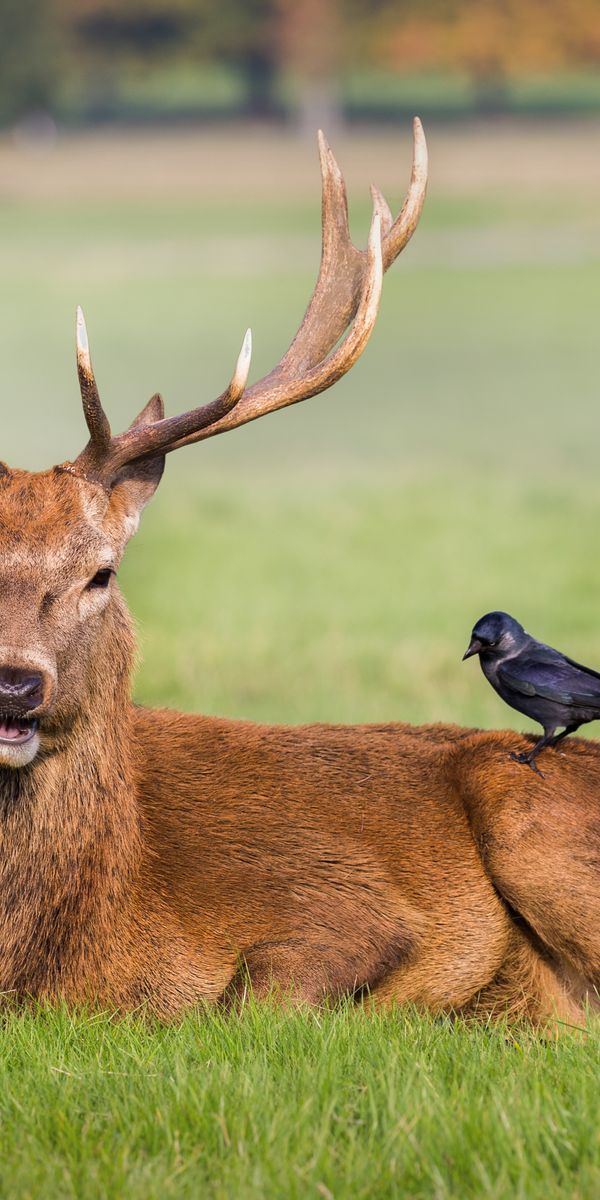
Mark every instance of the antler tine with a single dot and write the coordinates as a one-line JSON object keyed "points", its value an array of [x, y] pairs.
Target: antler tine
{"points": [[334, 202], [383, 209], [332, 368], [161, 436], [340, 360], [338, 294], [340, 260], [408, 218], [95, 417]]}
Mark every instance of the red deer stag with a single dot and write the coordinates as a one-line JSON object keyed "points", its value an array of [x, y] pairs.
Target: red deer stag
{"points": [[151, 857]]}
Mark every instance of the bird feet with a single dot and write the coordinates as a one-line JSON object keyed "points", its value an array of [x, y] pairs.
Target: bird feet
{"points": [[530, 760]]}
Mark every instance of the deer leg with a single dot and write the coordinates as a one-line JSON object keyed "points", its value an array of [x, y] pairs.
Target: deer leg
{"points": [[281, 972], [528, 987], [455, 958], [297, 971], [541, 848]]}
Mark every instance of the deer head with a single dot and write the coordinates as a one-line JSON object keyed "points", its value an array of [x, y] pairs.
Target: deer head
{"points": [[64, 631]]}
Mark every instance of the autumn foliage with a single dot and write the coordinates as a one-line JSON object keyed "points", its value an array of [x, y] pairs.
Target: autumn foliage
{"points": [[489, 37], [53, 48]]}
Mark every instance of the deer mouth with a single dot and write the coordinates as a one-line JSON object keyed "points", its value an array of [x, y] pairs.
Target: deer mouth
{"points": [[17, 730]]}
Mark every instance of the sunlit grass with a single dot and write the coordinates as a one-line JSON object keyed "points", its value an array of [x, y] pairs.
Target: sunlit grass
{"points": [[297, 1104]]}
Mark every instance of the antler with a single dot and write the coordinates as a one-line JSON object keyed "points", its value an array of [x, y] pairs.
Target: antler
{"points": [[105, 454], [345, 301]]}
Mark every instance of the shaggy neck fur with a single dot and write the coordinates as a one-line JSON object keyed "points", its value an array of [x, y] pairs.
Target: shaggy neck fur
{"points": [[69, 838]]}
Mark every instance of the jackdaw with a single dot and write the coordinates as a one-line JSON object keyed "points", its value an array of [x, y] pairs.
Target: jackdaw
{"points": [[535, 679]]}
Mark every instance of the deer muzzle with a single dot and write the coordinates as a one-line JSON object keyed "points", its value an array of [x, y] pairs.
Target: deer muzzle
{"points": [[21, 694]]}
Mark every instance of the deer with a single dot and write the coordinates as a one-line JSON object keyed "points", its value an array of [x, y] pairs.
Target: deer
{"points": [[155, 860]]}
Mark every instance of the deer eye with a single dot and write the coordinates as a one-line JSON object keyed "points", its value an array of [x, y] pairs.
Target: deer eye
{"points": [[101, 579]]}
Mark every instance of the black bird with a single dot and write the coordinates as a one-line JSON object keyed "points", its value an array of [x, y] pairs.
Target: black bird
{"points": [[535, 679]]}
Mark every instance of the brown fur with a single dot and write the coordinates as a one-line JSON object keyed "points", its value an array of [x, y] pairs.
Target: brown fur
{"points": [[152, 856]]}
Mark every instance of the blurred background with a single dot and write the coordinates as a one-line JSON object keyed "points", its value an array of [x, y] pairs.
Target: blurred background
{"points": [[83, 61], [158, 165]]}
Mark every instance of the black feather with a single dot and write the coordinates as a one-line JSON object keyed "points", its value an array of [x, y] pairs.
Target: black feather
{"points": [[535, 679]]}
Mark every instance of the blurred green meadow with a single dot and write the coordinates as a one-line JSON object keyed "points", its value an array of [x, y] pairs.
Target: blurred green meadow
{"points": [[329, 561], [326, 563]]}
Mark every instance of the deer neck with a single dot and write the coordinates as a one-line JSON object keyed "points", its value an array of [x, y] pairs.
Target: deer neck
{"points": [[69, 836]]}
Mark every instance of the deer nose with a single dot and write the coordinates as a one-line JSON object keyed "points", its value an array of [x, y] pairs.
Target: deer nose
{"points": [[20, 689]]}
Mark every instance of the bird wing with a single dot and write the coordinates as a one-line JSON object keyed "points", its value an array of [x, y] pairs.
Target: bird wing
{"points": [[551, 677], [543, 653], [580, 667]]}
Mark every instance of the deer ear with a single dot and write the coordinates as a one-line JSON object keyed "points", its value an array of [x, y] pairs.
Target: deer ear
{"points": [[154, 410], [135, 484]]}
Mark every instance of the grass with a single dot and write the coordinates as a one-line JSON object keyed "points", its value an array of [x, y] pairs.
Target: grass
{"points": [[354, 602], [327, 563], [273, 1104]]}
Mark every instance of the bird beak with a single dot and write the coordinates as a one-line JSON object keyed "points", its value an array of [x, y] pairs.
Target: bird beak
{"points": [[473, 648]]}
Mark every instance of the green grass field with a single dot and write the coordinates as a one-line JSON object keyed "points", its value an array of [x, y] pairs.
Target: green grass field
{"points": [[326, 563], [340, 1104]]}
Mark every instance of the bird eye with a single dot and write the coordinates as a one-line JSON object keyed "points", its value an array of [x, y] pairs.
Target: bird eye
{"points": [[101, 579]]}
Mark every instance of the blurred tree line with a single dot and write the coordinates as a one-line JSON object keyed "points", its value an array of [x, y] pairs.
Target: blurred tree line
{"points": [[54, 50], [491, 41]]}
